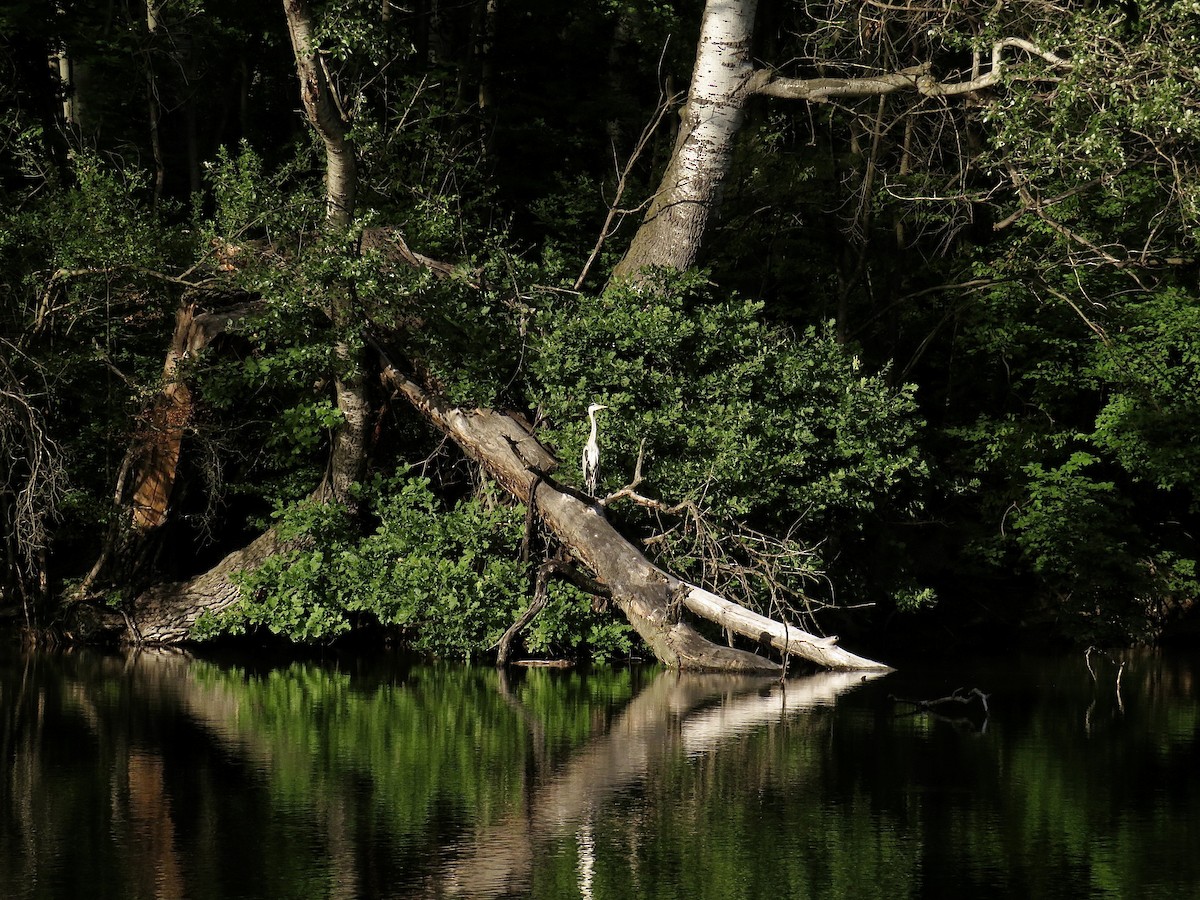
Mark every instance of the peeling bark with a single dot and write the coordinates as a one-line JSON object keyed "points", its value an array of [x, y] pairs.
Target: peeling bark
{"points": [[341, 170]]}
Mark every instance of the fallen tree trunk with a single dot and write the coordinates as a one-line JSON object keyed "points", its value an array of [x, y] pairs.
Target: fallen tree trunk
{"points": [[649, 597]]}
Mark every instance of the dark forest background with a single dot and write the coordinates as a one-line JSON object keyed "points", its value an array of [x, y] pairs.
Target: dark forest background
{"points": [[934, 379]]}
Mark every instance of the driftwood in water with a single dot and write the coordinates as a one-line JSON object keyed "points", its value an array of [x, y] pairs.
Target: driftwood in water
{"points": [[959, 705]]}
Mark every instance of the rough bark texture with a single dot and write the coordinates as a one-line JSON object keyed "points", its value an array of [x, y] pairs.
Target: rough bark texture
{"points": [[651, 599], [167, 613], [641, 590], [671, 233]]}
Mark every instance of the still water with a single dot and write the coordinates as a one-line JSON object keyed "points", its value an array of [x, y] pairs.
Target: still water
{"points": [[160, 775]]}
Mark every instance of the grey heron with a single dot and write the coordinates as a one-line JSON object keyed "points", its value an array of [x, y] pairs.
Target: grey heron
{"points": [[591, 453]]}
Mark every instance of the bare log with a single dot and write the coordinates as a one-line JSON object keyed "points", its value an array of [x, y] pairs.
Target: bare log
{"points": [[784, 637]]}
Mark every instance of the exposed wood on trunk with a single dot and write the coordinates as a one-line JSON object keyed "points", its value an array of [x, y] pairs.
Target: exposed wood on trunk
{"points": [[650, 598], [341, 171], [783, 637], [156, 450]]}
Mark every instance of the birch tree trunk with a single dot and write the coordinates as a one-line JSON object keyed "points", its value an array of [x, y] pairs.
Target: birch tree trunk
{"points": [[348, 457], [723, 78], [690, 189]]}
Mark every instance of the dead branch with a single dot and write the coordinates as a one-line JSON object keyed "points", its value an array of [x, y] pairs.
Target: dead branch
{"points": [[541, 594], [961, 699], [914, 78]]}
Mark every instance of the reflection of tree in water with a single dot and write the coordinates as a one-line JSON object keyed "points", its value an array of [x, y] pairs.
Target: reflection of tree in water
{"points": [[443, 778], [688, 713], [157, 775]]}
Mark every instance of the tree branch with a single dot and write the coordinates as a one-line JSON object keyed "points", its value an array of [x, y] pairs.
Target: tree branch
{"points": [[914, 78]]}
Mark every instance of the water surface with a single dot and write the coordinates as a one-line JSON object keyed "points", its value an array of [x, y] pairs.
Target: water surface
{"points": [[160, 775]]}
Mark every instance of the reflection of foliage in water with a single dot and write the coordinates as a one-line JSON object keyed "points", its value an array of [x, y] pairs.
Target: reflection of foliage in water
{"points": [[437, 743], [299, 779]]}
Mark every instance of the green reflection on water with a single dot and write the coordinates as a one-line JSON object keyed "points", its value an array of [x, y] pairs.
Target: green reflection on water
{"points": [[157, 775]]}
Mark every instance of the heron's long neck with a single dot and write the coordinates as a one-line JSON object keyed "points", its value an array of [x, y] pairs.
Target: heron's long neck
{"points": [[592, 417]]}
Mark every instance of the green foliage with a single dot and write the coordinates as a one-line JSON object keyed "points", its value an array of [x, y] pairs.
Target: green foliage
{"points": [[83, 309], [1149, 370], [570, 625], [739, 415], [445, 575]]}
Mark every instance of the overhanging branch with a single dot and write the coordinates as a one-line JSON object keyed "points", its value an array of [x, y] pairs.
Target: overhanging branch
{"points": [[914, 78]]}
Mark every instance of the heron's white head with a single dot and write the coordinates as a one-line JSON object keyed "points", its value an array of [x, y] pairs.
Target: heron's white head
{"points": [[596, 407]]}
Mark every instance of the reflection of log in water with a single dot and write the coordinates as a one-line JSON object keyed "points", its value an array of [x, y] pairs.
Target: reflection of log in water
{"points": [[709, 728], [675, 710], [692, 712]]}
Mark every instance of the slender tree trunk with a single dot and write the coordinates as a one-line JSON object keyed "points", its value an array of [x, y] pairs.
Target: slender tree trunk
{"points": [[348, 459], [153, 107], [674, 226], [341, 170]]}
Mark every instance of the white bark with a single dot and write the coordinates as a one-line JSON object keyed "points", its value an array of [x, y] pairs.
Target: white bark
{"points": [[341, 172], [723, 78], [698, 714], [788, 638], [674, 226]]}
